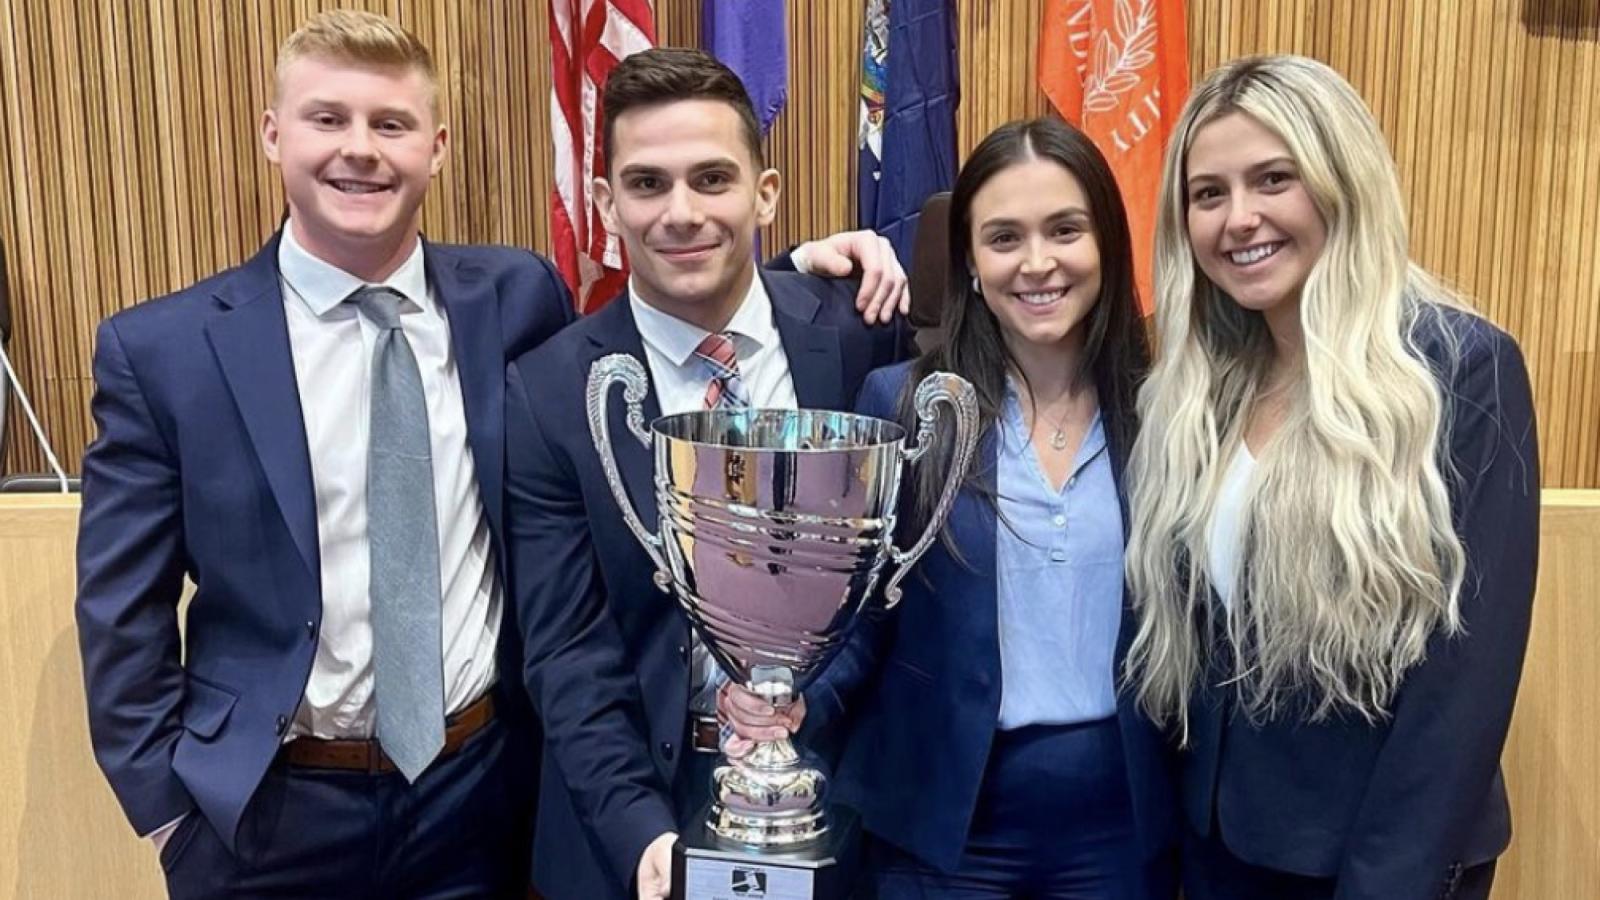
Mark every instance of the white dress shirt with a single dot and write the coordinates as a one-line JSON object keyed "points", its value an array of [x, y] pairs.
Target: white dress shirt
{"points": [[1226, 533], [680, 379], [332, 344]]}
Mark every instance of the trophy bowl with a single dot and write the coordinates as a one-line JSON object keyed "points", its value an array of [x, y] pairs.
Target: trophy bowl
{"points": [[776, 527]]}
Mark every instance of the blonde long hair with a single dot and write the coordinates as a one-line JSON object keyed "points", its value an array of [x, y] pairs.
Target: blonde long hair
{"points": [[1350, 560]]}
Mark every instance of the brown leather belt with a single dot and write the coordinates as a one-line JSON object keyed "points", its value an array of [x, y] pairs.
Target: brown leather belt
{"points": [[704, 734], [368, 756]]}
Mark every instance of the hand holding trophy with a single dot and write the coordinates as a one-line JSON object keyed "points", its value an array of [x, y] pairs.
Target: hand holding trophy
{"points": [[775, 525]]}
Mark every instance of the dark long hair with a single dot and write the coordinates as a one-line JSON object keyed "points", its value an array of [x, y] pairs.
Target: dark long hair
{"points": [[1116, 350]]}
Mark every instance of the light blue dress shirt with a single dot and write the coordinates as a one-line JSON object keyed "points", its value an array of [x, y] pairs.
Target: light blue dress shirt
{"points": [[1058, 556]]}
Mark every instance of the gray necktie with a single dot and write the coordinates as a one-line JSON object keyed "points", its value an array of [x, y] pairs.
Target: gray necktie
{"points": [[403, 534]]}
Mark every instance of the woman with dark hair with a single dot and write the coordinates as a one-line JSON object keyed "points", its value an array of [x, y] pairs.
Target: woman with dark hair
{"points": [[986, 746]]}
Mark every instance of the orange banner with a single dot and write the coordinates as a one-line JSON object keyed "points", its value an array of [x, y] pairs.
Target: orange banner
{"points": [[1119, 70]]}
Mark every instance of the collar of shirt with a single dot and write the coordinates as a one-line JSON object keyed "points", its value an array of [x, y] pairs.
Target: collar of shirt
{"points": [[1094, 441], [322, 286], [751, 326]]}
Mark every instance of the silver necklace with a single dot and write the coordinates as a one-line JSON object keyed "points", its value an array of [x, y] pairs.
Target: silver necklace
{"points": [[1058, 440]]}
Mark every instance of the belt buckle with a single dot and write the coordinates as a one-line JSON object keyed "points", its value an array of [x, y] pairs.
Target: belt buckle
{"points": [[705, 734]]}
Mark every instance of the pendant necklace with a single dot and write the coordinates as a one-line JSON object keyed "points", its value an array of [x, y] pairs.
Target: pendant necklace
{"points": [[1058, 440]]}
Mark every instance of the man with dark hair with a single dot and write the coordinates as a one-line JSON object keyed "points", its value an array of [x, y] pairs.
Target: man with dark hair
{"points": [[627, 698]]}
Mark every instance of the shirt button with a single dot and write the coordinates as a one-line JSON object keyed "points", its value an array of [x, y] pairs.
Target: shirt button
{"points": [[1060, 521], [666, 750], [283, 725], [1072, 481], [1058, 556]]}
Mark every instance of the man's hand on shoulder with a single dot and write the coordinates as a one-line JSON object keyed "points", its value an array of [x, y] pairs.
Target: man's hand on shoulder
{"points": [[883, 290]]}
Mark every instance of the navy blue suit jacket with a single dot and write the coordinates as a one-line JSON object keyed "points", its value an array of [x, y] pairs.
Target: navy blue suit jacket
{"points": [[916, 693], [1392, 810], [607, 653], [201, 469]]}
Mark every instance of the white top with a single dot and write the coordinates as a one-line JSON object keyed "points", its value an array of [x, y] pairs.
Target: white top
{"points": [[1227, 524], [332, 346], [680, 379]]}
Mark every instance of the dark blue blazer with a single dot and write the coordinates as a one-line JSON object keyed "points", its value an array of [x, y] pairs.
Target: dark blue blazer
{"points": [[916, 693], [1395, 809], [201, 469], [607, 652]]}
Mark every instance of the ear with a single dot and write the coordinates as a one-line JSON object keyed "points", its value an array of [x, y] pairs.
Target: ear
{"points": [[441, 149], [769, 185], [605, 203], [269, 135]]}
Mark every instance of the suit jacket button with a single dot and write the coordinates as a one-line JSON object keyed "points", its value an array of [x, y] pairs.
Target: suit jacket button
{"points": [[666, 750], [311, 630], [683, 652], [283, 725]]}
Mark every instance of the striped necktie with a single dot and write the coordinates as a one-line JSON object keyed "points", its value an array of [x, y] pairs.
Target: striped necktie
{"points": [[725, 390]]}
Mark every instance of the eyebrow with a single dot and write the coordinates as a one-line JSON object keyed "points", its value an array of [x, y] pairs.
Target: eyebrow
{"points": [[724, 162], [313, 104], [1264, 164], [1069, 212]]}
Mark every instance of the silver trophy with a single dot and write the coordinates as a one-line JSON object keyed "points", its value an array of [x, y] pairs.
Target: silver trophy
{"points": [[775, 525]]}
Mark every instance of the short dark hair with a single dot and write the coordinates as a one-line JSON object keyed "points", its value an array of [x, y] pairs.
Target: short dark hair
{"points": [[670, 74]]}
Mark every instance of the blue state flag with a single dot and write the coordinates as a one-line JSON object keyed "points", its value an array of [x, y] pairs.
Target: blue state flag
{"points": [[749, 37], [909, 94]]}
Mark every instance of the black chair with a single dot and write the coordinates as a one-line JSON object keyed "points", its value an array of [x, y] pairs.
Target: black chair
{"points": [[930, 261], [34, 483]]}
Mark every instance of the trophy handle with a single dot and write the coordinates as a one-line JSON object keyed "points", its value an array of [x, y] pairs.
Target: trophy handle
{"points": [[959, 395], [606, 371]]}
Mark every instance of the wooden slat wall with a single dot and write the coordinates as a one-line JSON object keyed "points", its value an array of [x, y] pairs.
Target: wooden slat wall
{"points": [[129, 163]]}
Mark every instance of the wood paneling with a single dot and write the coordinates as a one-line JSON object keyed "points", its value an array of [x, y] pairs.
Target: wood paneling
{"points": [[61, 831], [129, 163], [1552, 760]]}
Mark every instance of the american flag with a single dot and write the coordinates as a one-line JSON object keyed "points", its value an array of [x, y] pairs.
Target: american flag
{"points": [[587, 38]]}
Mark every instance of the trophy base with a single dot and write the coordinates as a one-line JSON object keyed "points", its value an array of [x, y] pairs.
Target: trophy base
{"points": [[708, 867]]}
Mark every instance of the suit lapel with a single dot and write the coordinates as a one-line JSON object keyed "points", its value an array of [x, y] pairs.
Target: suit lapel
{"points": [[616, 331], [250, 339], [467, 295], [815, 362]]}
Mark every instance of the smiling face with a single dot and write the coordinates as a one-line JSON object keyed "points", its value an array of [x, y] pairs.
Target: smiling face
{"points": [[1253, 227], [686, 197], [357, 146], [1035, 253]]}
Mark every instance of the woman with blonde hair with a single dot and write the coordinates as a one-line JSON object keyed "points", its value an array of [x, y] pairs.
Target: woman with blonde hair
{"points": [[1335, 512]]}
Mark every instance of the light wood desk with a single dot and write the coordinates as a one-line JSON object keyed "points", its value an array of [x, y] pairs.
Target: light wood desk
{"points": [[62, 835]]}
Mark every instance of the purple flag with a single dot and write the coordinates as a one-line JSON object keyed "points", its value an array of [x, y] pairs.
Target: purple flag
{"points": [[750, 38]]}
